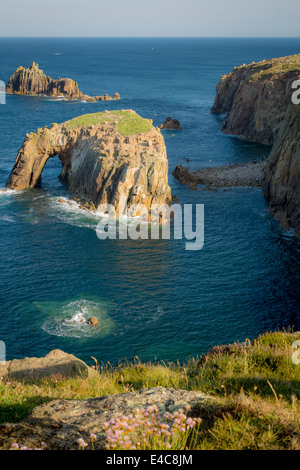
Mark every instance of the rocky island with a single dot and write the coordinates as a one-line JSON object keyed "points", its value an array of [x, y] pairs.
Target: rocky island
{"points": [[172, 124], [33, 81], [104, 156]]}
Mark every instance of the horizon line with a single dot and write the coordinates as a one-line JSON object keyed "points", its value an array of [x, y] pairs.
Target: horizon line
{"points": [[149, 37]]}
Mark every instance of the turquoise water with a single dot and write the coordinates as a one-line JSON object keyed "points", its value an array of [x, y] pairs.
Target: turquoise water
{"points": [[154, 299]]}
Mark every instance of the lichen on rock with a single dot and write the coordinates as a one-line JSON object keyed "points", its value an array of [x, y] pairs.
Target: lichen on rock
{"points": [[61, 422]]}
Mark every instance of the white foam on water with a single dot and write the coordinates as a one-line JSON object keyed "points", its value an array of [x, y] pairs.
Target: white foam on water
{"points": [[8, 218], [72, 320], [72, 213], [9, 192]]}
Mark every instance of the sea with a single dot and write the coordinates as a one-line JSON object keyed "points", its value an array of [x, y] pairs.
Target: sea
{"points": [[154, 299]]}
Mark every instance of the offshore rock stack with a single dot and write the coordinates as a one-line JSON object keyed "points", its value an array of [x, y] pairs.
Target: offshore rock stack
{"points": [[105, 156], [33, 81]]}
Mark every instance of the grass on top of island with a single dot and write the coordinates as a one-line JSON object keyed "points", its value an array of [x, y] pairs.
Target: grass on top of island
{"points": [[256, 387], [275, 66], [126, 122]]}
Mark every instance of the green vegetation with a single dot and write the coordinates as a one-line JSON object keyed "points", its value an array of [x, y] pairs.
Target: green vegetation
{"points": [[126, 122], [256, 387], [274, 66]]}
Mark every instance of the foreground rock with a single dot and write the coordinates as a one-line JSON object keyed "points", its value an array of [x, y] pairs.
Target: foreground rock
{"points": [[104, 156], [282, 177], [171, 124], [256, 96], [56, 363], [61, 422], [245, 174], [33, 81]]}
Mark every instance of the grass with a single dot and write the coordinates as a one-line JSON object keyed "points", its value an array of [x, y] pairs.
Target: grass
{"points": [[126, 122], [267, 68], [255, 384], [276, 66]]}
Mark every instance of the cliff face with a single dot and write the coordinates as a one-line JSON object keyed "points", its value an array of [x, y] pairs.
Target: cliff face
{"points": [[33, 81], [104, 156], [256, 98], [282, 177]]}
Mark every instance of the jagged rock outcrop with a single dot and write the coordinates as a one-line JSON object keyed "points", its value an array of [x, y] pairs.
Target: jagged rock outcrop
{"points": [[171, 124], [104, 156], [55, 363], [33, 81], [243, 174], [256, 98], [61, 423], [282, 177]]}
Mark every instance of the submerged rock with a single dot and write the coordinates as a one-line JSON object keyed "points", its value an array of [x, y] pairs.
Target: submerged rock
{"points": [[171, 124], [104, 156], [33, 81]]}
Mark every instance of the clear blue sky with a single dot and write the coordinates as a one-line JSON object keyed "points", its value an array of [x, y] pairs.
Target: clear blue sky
{"points": [[150, 18]]}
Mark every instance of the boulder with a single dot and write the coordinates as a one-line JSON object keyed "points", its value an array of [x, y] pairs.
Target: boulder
{"points": [[171, 124], [61, 423], [55, 363]]}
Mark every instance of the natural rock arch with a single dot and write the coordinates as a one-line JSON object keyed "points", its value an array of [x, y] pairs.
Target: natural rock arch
{"points": [[118, 154]]}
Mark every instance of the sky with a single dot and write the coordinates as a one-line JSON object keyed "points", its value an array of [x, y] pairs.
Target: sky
{"points": [[150, 18]]}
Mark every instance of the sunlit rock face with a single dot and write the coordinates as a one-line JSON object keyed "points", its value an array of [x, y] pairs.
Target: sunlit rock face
{"points": [[257, 98]]}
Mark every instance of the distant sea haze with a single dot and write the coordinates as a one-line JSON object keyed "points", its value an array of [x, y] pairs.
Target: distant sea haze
{"points": [[154, 299]]}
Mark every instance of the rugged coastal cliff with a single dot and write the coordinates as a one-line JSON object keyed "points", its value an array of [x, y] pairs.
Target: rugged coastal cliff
{"points": [[33, 81], [257, 98], [104, 156], [282, 176]]}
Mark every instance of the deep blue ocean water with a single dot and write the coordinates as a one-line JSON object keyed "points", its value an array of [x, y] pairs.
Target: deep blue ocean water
{"points": [[154, 299]]}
